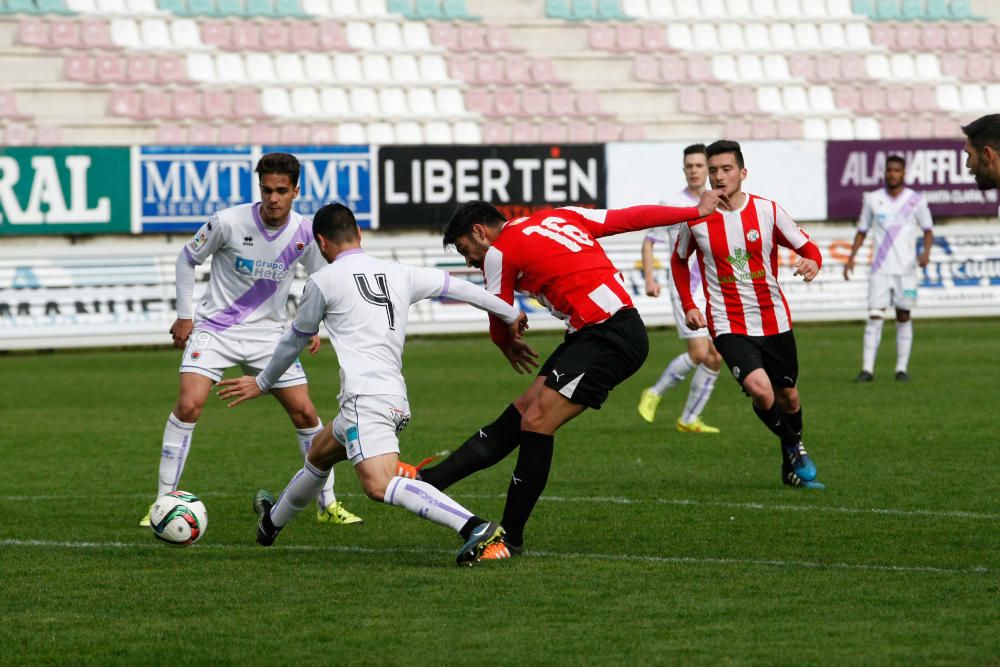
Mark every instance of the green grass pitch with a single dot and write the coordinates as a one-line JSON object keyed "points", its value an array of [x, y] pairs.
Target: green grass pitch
{"points": [[648, 547]]}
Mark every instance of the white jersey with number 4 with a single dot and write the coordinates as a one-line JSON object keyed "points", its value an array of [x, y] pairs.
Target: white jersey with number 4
{"points": [[895, 223], [253, 266]]}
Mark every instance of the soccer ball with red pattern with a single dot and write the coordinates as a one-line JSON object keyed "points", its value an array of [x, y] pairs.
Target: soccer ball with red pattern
{"points": [[178, 518]]}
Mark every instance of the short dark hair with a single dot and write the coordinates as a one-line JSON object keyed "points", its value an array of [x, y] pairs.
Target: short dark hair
{"points": [[984, 131], [725, 146], [335, 222], [694, 149], [280, 163], [469, 214], [896, 158]]}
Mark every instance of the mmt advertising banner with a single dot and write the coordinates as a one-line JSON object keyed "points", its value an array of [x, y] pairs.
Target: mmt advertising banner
{"points": [[334, 174], [935, 167], [420, 186], [180, 187], [64, 190]]}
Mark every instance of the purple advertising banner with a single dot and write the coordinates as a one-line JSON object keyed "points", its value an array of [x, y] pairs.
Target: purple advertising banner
{"points": [[935, 167]]}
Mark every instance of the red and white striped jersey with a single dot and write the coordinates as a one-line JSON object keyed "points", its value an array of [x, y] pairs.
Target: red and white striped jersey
{"points": [[738, 255], [554, 256]]}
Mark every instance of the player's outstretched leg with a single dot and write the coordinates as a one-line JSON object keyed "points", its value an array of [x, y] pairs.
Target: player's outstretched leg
{"points": [[486, 447], [263, 503]]}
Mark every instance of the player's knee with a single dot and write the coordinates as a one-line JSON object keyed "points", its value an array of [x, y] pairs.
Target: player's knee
{"points": [[789, 402], [375, 488], [533, 418], [188, 409], [902, 316], [303, 416]]}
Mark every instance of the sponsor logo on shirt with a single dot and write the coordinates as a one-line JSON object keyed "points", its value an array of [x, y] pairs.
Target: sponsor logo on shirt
{"points": [[261, 268], [200, 239], [248, 241], [738, 260]]}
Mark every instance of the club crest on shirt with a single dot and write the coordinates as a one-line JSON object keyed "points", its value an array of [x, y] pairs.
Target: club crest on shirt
{"points": [[200, 239], [299, 247], [195, 356], [753, 235]]}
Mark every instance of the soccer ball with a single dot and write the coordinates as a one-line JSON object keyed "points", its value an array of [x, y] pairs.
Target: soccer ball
{"points": [[178, 518]]}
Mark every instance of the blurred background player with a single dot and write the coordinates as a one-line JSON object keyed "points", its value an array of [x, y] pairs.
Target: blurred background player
{"points": [[554, 256], [364, 303], [896, 213], [746, 312], [254, 250], [701, 353], [982, 150]]}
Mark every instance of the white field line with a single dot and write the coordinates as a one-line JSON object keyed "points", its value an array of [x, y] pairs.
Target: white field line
{"points": [[634, 558], [616, 500]]}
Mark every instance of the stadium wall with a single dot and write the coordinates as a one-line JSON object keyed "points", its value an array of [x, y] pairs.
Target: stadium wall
{"points": [[91, 234]]}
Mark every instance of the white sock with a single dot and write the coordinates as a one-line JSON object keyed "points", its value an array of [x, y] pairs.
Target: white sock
{"points": [[173, 453], [702, 385], [426, 502], [305, 437], [904, 343], [303, 488], [873, 336], [674, 373]]}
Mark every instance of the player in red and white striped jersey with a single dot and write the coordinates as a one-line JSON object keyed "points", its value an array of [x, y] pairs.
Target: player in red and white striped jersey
{"points": [[746, 312], [554, 256]]}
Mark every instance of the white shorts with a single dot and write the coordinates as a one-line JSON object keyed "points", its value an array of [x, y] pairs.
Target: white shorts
{"points": [[683, 332], [898, 291], [367, 425], [210, 354]]}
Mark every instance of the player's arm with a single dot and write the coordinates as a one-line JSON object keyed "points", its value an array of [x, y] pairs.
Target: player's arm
{"points": [[864, 224], [206, 241], [430, 282], [312, 308], [601, 222], [681, 274], [652, 287], [926, 223], [501, 276], [789, 235]]}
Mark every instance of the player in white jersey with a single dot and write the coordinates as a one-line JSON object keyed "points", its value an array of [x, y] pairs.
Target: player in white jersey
{"points": [[701, 353], [254, 249], [364, 303], [895, 215]]}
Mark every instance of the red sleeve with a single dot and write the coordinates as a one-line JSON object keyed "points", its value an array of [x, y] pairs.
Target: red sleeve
{"points": [[680, 274], [601, 222], [811, 251]]}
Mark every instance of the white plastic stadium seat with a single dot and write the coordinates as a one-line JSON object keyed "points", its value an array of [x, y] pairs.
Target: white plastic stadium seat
{"points": [[449, 102], [154, 34], [877, 66], [380, 133], [679, 36], [289, 67], [731, 36], [466, 132], [750, 67], [364, 102], [409, 132], [815, 129], [713, 9], [111, 7], [345, 8], [821, 99], [769, 99], [185, 35], [142, 7], [839, 9], [789, 9], [902, 67], [662, 9], [705, 36], [795, 100], [334, 102], [125, 33], [841, 129], [360, 36], [782, 37], [437, 132], [347, 67], [392, 101], [831, 36], [305, 103], [724, 68], [375, 68], [738, 9], [318, 67], [387, 34], [351, 133], [637, 9], [993, 95], [867, 128], [229, 67], [82, 6], [806, 36], [275, 102], [973, 97], [259, 67], [687, 10], [928, 66], [416, 36], [404, 68], [421, 101], [858, 36], [317, 7], [756, 37], [433, 68], [763, 8], [776, 67], [200, 67]]}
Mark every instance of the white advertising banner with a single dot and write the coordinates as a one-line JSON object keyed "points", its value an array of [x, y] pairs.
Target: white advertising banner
{"points": [[123, 294], [792, 173]]}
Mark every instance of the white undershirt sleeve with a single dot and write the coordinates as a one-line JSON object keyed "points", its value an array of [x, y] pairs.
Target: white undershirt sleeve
{"points": [[463, 290], [184, 286]]}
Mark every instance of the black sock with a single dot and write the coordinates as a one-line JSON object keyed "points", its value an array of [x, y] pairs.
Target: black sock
{"points": [[795, 422], [774, 420], [530, 475], [470, 525], [489, 445]]}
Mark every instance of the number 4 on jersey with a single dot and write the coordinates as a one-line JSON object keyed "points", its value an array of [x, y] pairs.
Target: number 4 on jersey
{"points": [[379, 298]]}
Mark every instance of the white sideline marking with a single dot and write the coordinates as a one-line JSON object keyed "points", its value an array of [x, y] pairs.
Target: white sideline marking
{"points": [[693, 560], [616, 500]]}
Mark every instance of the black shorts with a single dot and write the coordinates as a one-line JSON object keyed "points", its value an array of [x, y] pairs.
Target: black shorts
{"points": [[594, 360], [775, 354]]}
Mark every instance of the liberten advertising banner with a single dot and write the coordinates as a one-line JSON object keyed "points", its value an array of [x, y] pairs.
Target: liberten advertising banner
{"points": [[180, 187], [420, 186], [935, 167], [64, 190], [335, 174]]}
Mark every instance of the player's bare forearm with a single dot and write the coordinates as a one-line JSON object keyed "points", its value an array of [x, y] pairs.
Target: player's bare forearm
{"points": [[652, 287], [315, 342], [859, 239], [239, 389], [925, 256], [180, 330]]}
